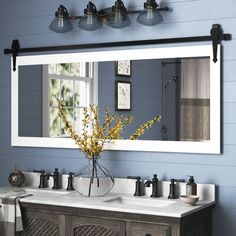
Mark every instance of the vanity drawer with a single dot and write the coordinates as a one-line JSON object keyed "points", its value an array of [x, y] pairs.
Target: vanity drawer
{"points": [[148, 229]]}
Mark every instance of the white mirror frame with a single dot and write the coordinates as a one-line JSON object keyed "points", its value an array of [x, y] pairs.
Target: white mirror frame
{"points": [[211, 147]]}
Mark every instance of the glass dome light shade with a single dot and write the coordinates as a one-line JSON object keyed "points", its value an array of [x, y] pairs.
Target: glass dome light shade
{"points": [[90, 22], [119, 18], [149, 17], [61, 22], [60, 25]]}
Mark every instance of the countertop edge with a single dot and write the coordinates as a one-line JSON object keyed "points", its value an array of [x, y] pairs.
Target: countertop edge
{"points": [[192, 209]]}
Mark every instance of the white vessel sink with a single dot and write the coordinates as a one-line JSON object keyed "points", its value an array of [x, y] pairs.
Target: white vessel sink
{"points": [[143, 202]]}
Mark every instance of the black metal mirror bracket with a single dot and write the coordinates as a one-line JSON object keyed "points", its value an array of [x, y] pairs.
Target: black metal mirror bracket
{"points": [[216, 36], [15, 48]]}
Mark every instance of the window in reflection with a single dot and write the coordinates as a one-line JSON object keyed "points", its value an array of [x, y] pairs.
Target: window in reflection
{"points": [[72, 83]]}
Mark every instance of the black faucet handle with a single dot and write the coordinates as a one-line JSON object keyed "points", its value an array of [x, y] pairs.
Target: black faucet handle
{"points": [[39, 171], [138, 179], [177, 180], [138, 185], [139, 188], [173, 192], [134, 177], [154, 179], [70, 186], [43, 179]]}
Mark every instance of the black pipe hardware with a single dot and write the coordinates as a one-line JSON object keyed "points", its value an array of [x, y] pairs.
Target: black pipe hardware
{"points": [[216, 36]]}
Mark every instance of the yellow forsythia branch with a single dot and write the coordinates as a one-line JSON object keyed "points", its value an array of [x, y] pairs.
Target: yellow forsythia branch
{"points": [[93, 136], [145, 126]]}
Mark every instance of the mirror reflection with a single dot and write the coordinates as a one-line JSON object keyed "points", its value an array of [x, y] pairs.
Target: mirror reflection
{"points": [[178, 89]]}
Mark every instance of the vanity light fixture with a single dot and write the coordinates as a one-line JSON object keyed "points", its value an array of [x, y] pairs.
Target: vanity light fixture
{"points": [[116, 16]]}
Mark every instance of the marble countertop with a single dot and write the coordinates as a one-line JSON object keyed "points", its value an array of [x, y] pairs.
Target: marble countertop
{"points": [[120, 199], [138, 205]]}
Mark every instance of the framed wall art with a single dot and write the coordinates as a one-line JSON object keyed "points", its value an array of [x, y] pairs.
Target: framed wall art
{"points": [[123, 68], [123, 96]]}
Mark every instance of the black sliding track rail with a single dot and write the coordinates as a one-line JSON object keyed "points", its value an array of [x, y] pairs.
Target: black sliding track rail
{"points": [[216, 36]]}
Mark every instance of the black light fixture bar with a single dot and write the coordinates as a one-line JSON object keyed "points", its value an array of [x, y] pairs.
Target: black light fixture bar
{"points": [[102, 13], [138, 11], [216, 36]]}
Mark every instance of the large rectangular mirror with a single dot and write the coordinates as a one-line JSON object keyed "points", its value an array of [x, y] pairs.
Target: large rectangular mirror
{"points": [[182, 84]]}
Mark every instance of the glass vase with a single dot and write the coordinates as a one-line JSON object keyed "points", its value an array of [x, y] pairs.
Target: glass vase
{"points": [[93, 180]]}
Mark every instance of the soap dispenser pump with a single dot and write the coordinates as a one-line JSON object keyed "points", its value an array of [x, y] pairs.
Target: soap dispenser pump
{"points": [[191, 187]]}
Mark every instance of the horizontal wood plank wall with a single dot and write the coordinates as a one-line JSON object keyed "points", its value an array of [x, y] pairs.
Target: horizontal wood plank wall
{"points": [[28, 20]]}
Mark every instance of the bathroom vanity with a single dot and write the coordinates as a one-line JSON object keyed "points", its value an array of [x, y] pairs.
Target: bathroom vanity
{"points": [[62, 213], [50, 220]]}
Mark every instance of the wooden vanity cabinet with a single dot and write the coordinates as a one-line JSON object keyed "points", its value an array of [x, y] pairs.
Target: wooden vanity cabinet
{"points": [[45, 220]]}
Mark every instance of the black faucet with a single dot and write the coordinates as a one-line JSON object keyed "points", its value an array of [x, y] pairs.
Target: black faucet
{"points": [[173, 193], [70, 182], [154, 183], [138, 185], [56, 181], [43, 178]]}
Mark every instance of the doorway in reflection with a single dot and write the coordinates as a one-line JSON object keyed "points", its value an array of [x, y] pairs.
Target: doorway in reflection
{"points": [[186, 99]]}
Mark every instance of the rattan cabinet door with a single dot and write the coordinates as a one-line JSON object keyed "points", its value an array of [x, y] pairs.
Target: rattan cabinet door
{"points": [[86, 226], [40, 224]]}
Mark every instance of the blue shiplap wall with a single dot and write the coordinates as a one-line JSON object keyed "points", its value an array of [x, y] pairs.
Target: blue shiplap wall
{"points": [[28, 20]]}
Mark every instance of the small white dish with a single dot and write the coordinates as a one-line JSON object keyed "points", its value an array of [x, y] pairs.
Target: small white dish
{"points": [[189, 199]]}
